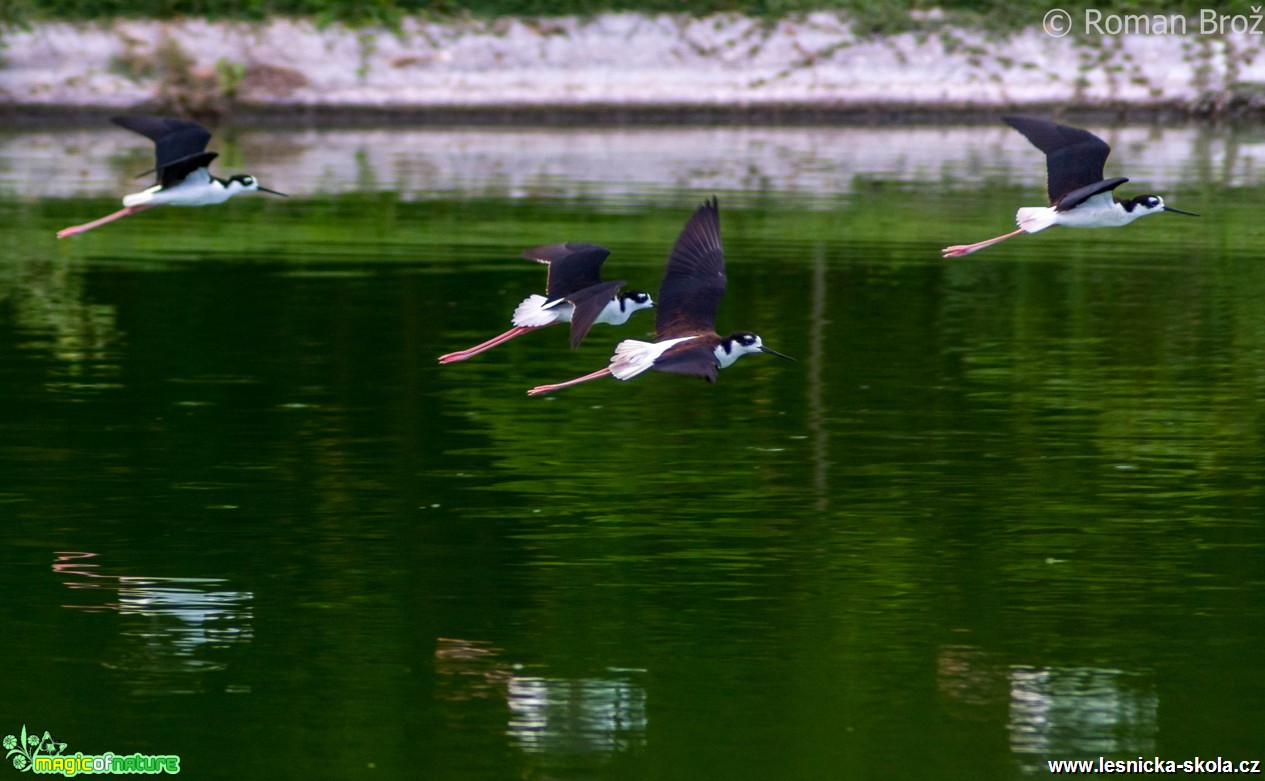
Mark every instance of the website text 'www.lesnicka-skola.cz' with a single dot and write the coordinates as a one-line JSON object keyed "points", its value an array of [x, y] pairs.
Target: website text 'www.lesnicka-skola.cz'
{"points": [[1154, 765]]}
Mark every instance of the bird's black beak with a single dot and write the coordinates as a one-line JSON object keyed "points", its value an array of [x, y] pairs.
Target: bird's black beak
{"points": [[775, 352], [274, 192], [1179, 211]]}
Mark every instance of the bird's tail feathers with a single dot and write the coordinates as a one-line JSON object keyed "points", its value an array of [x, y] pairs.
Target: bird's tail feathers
{"points": [[632, 357], [1035, 218], [139, 199], [534, 312]]}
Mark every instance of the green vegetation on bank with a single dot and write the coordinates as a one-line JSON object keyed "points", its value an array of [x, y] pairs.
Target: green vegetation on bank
{"points": [[1003, 12]]}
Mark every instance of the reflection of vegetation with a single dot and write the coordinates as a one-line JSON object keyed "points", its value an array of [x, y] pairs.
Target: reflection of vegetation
{"points": [[47, 302]]}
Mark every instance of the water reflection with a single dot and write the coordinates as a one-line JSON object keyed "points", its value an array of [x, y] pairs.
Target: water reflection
{"points": [[51, 309], [602, 164], [470, 670], [588, 715], [1052, 712], [1071, 712], [171, 628], [970, 681], [554, 716]]}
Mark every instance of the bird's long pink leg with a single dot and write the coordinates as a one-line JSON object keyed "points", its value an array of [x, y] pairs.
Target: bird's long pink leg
{"points": [[461, 355], [541, 390], [959, 250], [87, 226]]}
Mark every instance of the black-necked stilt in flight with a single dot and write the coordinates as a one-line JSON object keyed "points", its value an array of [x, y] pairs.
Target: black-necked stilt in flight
{"points": [[686, 341], [181, 162], [574, 293], [1079, 196]]}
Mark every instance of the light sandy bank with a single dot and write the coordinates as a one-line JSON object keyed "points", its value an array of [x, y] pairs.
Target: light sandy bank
{"points": [[620, 63]]}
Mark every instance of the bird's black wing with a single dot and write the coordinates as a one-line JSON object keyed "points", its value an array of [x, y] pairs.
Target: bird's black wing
{"points": [[692, 358], [694, 282], [588, 304], [1077, 197], [573, 266], [179, 145], [1074, 158]]}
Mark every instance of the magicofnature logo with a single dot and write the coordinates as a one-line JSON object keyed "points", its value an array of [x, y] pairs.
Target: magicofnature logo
{"points": [[42, 754], [25, 748]]}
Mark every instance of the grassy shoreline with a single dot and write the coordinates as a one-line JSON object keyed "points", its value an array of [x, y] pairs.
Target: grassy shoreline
{"points": [[879, 13], [869, 18]]}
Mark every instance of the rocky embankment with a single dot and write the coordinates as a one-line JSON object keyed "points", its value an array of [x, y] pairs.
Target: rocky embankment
{"points": [[617, 66]]}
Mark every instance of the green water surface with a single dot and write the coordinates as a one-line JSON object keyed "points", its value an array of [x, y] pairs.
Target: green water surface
{"points": [[1002, 509]]}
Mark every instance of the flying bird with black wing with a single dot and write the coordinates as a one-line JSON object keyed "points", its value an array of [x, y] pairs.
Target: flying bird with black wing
{"points": [[685, 339], [181, 165], [1079, 195], [574, 293]]}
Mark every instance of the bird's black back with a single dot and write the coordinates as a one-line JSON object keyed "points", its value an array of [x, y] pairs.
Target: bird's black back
{"points": [[1074, 158], [694, 281], [179, 145], [573, 266]]}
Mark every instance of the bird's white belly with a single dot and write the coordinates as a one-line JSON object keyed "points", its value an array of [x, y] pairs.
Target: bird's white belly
{"points": [[1098, 211], [1112, 216], [197, 189]]}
